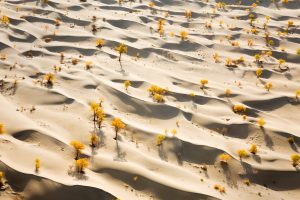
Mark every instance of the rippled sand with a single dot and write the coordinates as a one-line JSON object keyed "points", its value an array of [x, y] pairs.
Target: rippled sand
{"points": [[40, 121]]}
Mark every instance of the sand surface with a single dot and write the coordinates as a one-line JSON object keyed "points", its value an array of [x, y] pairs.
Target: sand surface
{"points": [[40, 120]]}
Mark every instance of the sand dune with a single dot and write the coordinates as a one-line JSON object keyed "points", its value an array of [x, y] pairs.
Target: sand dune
{"points": [[170, 148]]}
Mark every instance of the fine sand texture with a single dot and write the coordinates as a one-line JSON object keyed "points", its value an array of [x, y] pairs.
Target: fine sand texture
{"points": [[203, 95]]}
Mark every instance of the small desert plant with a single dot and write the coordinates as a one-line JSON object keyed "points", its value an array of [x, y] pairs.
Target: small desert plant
{"points": [[291, 140], [49, 78], [257, 57], [100, 116], [88, 65], [298, 51], [224, 158], [94, 140], [261, 122], [2, 179], [242, 153], [99, 43], [247, 182], [290, 24], [157, 92], [183, 35], [188, 14], [258, 72], [160, 24], [250, 42], [160, 139], [2, 129], [228, 62], [81, 164], [127, 83], [118, 124], [216, 57], [297, 94], [5, 20], [280, 62], [227, 92], [78, 146], [74, 61], [253, 149], [239, 108], [268, 86], [220, 188], [203, 82], [295, 159], [174, 132], [37, 165], [122, 48], [94, 107], [158, 98]]}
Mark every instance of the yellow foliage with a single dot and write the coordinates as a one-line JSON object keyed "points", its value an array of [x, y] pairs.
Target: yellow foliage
{"points": [[94, 106], [261, 122], [216, 57], [257, 57], [183, 35], [154, 89], [78, 146], [227, 92], [5, 20], [118, 124], [122, 48], [2, 129], [258, 72], [290, 23], [49, 78], [253, 149], [239, 108], [220, 188], [297, 95], [242, 153], [224, 157], [94, 140], [160, 138], [281, 61], [174, 132], [188, 14], [99, 43], [81, 164], [151, 4], [157, 97], [203, 82], [37, 164], [295, 159], [88, 65], [100, 115], [268, 86], [127, 83]]}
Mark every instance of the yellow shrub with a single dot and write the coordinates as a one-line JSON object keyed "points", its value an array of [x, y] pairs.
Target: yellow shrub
{"points": [[2, 129], [127, 83], [224, 157], [261, 122], [258, 72], [37, 164], [242, 153], [159, 139], [81, 164], [295, 159], [268, 86], [239, 108], [253, 149]]}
